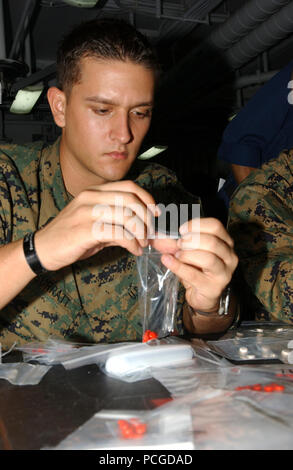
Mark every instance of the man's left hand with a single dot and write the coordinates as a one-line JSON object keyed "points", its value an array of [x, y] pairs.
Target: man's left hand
{"points": [[203, 259]]}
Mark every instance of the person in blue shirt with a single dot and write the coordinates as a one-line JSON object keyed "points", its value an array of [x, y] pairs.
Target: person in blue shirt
{"points": [[259, 132]]}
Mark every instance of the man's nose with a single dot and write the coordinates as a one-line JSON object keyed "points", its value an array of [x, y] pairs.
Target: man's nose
{"points": [[120, 130]]}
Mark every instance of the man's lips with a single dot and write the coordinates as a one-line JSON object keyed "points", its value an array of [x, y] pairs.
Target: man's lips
{"points": [[117, 155]]}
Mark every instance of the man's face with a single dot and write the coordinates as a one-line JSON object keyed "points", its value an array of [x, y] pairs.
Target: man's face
{"points": [[107, 115]]}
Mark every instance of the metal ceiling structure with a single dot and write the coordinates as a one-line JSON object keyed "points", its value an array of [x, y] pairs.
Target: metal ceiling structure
{"points": [[239, 30], [159, 20]]}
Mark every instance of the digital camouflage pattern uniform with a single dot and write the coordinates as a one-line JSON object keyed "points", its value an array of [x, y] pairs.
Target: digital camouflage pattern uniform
{"points": [[261, 224], [94, 300]]}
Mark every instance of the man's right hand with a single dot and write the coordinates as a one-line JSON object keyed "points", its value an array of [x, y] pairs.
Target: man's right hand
{"points": [[111, 214]]}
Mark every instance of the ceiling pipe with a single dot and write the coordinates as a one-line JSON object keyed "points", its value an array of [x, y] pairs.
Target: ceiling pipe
{"points": [[22, 29], [253, 12], [276, 28], [196, 14], [243, 21], [256, 79], [149, 7], [2, 32]]}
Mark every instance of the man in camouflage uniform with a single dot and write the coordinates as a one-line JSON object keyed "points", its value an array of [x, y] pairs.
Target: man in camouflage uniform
{"points": [[260, 221], [69, 280]]}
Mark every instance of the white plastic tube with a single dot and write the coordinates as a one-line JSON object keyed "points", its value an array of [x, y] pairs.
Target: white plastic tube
{"points": [[127, 362]]}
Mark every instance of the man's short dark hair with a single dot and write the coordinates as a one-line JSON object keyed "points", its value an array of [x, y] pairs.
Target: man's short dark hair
{"points": [[103, 39]]}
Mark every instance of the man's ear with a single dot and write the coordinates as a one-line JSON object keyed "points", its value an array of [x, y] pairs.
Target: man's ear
{"points": [[57, 102]]}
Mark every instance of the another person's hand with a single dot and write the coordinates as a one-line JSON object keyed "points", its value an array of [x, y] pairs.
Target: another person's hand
{"points": [[203, 259], [118, 213]]}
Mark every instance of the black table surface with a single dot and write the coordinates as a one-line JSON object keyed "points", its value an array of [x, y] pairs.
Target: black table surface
{"points": [[40, 416]]}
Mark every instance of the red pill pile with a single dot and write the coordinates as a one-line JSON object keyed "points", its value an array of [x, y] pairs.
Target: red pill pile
{"points": [[269, 388], [148, 335], [290, 376], [132, 429]]}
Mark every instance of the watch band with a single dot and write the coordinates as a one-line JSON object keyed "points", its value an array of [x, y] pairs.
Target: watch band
{"points": [[31, 254], [224, 302], [223, 307]]}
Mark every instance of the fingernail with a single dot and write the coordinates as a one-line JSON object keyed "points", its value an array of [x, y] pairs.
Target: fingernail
{"points": [[183, 229], [150, 232], [158, 211], [167, 259]]}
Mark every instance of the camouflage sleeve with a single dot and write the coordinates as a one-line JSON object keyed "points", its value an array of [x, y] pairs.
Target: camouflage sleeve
{"points": [[261, 224], [165, 187], [5, 211]]}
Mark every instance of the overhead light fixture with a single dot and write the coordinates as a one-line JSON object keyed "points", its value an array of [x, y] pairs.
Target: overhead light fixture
{"points": [[152, 152], [82, 3], [230, 118], [25, 99]]}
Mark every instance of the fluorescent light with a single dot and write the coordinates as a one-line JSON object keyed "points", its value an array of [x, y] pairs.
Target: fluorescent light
{"points": [[26, 99], [82, 3], [152, 152], [230, 118]]}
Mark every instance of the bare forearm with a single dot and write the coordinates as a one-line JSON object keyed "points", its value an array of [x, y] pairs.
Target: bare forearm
{"points": [[199, 324], [15, 273]]}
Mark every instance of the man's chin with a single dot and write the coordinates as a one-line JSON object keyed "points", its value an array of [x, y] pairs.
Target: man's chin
{"points": [[115, 176], [118, 173]]}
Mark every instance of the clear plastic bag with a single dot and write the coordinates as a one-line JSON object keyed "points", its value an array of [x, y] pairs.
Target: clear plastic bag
{"points": [[163, 430], [158, 291], [260, 330], [181, 381], [135, 362], [2, 354], [47, 352], [129, 362], [257, 347], [90, 355], [232, 419], [204, 369], [257, 379], [199, 374], [208, 418], [242, 421], [21, 373], [263, 341], [70, 355]]}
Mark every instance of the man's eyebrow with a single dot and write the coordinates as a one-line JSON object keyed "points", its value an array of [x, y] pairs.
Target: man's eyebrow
{"points": [[102, 100]]}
